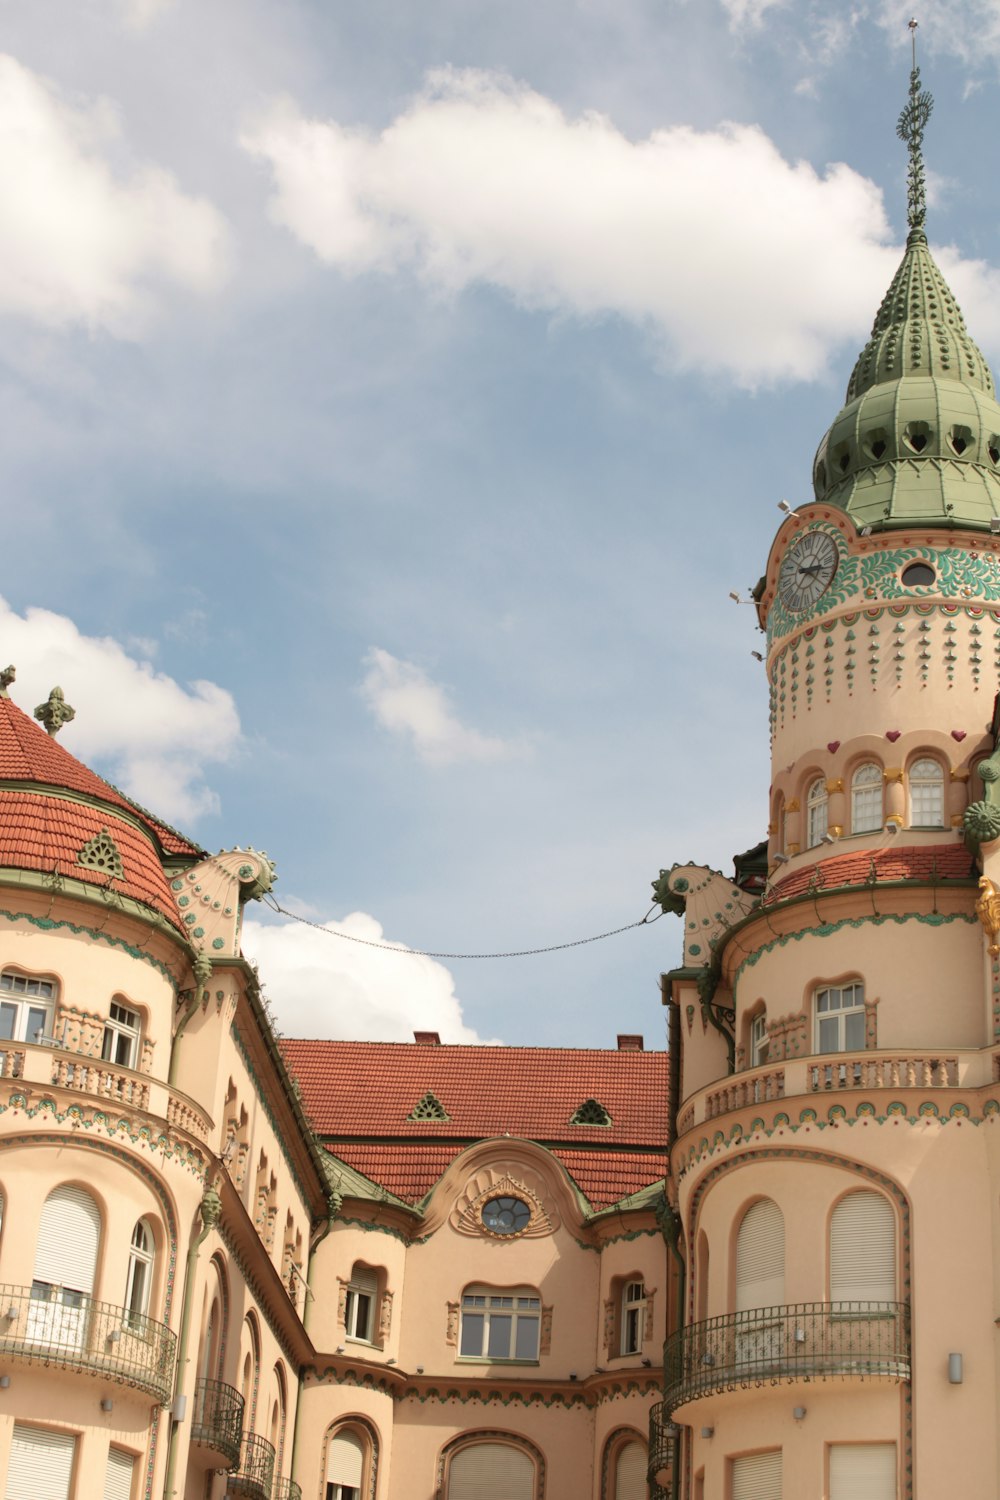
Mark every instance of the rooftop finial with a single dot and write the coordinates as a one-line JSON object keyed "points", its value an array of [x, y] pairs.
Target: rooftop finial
{"points": [[910, 129], [55, 712], [6, 678]]}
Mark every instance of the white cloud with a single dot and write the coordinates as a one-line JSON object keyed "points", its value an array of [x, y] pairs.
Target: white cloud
{"points": [[323, 986], [147, 733], [405, 701], [139, 13], [78, 243], [738, 259], [966, 29], [748, 12]]}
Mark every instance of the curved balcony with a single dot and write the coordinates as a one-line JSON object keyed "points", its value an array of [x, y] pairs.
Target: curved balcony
{"points": [[806, 1341], [67, 1330], [661, 1469], [287, 1489], [217, 1421], [255, 1475]]}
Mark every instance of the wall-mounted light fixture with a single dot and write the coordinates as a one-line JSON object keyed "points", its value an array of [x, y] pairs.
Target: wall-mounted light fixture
{"points": [[420, 1369], [708, 1432], [784, 505], [828, 838], [780, 858], [107, 1404], [955, 1370], [341, 1348], [4, 1382], [995, 524], [800, 1335], [798, 1412]]}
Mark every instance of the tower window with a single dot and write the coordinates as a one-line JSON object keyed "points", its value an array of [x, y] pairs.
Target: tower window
{"points": [[817, 806], [917, 436], [926, 794], [121, 1036], [918, 574], [866, 799], [758, 1040], [840, 1018], [633, 1316]]}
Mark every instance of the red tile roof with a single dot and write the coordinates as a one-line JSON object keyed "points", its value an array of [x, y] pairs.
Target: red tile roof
{"points": [[28, 754], [359, 1096], [926, 863], [45, 833]]}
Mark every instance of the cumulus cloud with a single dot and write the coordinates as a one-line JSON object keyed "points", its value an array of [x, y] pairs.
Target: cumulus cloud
{"points": [[140, 728], [324, 986], [405, 701], [80, 243], [736, 258]]}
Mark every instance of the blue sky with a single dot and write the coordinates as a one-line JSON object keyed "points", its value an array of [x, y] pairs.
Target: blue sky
{"points": [[391, 397]]}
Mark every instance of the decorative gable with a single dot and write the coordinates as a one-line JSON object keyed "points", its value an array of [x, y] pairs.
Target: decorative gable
{"points": [[590, 1112], [429, 1108], [101, 853]]}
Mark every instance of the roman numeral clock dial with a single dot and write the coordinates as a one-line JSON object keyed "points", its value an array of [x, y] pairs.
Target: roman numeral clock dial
{"points": [[808, 570]]}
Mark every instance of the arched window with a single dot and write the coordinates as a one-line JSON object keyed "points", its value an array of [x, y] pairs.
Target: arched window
{"points": [[758, 1039], [361, 1304], [926, 794], [863, 1249], [760, 1257], [140, 1270], [121, 1036], [779, 823], [500, 1323], [69, 1236], [27, 1007], [817, 805], [345, 1466], [633, 1316], [840, 1018], [866, 798], [491, 1471], [630, 1472]]}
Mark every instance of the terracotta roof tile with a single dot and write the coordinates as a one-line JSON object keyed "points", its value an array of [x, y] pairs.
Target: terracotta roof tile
{"points": [[927, 862], [359, 1096], [27, 753], [44, 833]]}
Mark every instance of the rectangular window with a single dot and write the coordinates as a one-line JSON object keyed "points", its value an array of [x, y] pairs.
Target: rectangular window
{"points": [[40, 1465], [121, 1037], [500, 1326], [863, 1471], [758, 1041], [26, 1016], [633, 1316], [757, 1476], [840, 1019]]}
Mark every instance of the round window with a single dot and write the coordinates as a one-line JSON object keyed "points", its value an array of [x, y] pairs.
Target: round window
{"points": [[917, 574], [506, 1215]]}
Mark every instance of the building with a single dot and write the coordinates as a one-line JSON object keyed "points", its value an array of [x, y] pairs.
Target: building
{"points": [[835, 1151]]}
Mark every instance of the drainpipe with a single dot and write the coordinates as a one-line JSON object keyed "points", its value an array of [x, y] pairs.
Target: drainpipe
{"points": [[334, 1203], [202, 967], [209, 1208]]}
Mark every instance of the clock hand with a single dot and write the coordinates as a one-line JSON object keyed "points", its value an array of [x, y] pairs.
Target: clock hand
{"points": [[816, 568]]}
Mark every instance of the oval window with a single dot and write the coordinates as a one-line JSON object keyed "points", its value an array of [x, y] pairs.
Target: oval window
{"points": [[506, 1215], [917, 574]]}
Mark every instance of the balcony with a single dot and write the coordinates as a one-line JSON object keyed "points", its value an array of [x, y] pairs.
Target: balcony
{"points": [[217, 1422], [287, 1489], [255, 1475], [662, 1466], [807, 1341], [67, 1330]]}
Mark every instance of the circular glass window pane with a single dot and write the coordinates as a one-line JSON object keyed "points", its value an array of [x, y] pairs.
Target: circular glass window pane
{"points": [[917, 574], [506, 1215]]}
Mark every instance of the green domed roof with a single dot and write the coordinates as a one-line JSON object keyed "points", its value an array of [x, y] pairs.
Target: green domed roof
{"points": [[918, 441]]}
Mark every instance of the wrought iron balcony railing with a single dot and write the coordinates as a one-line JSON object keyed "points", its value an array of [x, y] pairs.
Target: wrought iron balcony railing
{"points": [[807, 1341], [662, 1467], [51, 1325], [255, 1475], [287, 1489], [217, 1419]]}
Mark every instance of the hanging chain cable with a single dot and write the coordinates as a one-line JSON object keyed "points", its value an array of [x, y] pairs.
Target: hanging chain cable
{"points": [[598, 937]]}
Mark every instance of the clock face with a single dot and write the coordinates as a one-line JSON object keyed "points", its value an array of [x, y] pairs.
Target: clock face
{"points": [[808, 570]]}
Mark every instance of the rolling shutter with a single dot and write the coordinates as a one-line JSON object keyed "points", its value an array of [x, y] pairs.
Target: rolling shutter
{"points": [[760, 1257], [630, 1473], [758, 1476], [118, 1478], [41, 1464], [364, 1280], [863, 1471], [68, 1237], [345, 1461], [491, 1471], [863, 1249]]}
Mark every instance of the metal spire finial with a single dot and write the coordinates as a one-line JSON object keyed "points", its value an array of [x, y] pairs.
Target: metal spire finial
{"points": [[910, 128]]}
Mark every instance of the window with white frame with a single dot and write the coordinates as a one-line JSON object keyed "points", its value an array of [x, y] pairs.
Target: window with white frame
{"points": [[926, 794], [345, 1466], [633, 1315], [26, 1007], [140, 1270], [863, 1250], [360, 1303], [840, 1018], [499, 1324], [817, 807], [865, 1469], [121, 1036], [757, 1476], [491, 1471], [866, 799], [758, 1039], [40, 1466]]}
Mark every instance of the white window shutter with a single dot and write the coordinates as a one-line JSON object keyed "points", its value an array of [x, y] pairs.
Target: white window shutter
{"points": [[118, 1476], [364, 1280], [863, 1471], [863, 1249], [345, 1460], [757, 1476], [41, 1464], [630, 1473], [68, 1237], [760, 1257], [491, 1471]]}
